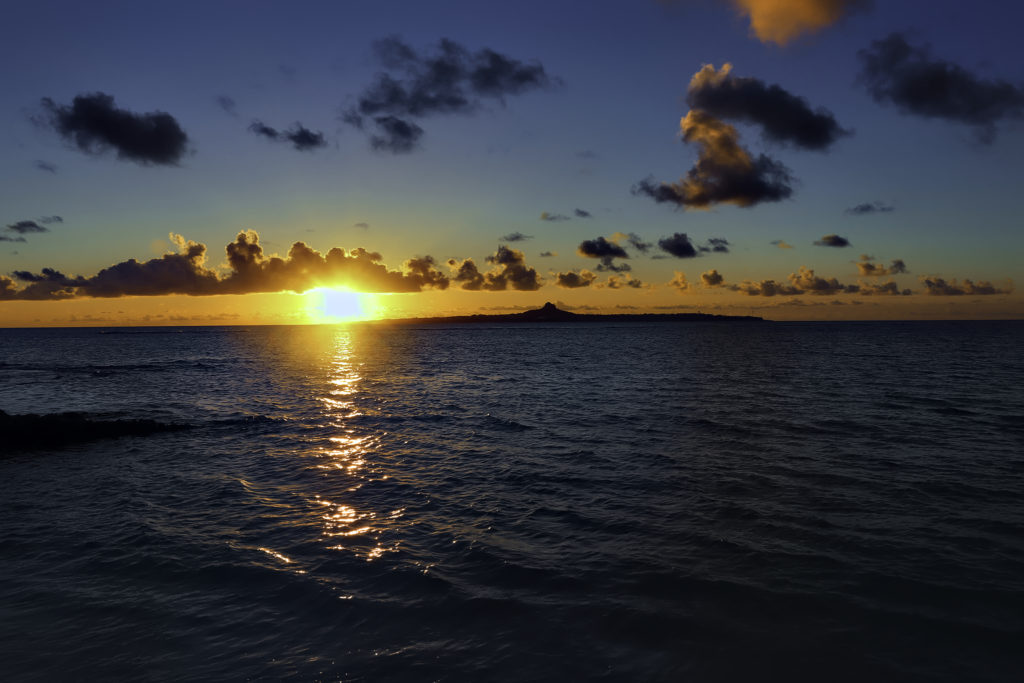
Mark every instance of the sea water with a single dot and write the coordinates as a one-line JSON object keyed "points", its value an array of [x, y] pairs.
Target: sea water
{"points": [[637, 502]]}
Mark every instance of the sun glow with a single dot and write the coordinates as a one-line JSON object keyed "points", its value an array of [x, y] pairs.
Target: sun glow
{"points": [[338, 305]]}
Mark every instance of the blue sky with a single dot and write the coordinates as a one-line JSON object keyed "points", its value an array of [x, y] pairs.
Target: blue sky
{"points": [[608, 118]]}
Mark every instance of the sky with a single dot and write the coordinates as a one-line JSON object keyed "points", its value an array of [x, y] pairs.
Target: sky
{"points": [[261, 162]]}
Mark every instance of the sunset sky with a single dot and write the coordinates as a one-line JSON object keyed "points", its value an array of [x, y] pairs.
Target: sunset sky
{"points": [[795, 159]]}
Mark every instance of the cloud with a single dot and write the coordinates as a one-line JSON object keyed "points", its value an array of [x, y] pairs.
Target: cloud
{"points": [[939, 287], [782, 116], [575, 279], [679, 282], [553, 217], [10, 238], [898, 73], [724, 173], [96, 126], [250, 270], [22, 227], [509, 272], [717, 245], [395, 135], [679, 245], [45, 166], [712, 278], [515, 237], [886, 288], [780, 21], [869, 269], [605, 250], [547, 254], [47, 220], [227, 104], [582, 213], [449, 80], [302, 138], [781, 244], [362, 225], [621, 281], [802, 282], [832, 241], [634, 240], [869, 208]]}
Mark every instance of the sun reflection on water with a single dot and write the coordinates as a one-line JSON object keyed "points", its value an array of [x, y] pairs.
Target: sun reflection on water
{"points": [[350, 451]]}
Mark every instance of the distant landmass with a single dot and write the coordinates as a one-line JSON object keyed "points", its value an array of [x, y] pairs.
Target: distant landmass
{"points": [[549, 313]]}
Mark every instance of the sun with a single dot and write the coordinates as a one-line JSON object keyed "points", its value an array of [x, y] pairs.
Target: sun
{"points": [[339, 305]]}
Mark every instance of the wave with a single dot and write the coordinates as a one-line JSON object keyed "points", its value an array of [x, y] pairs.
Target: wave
{"points": [[32, 431]]}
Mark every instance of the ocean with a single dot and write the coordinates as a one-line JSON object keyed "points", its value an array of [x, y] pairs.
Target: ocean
{"points": [[726, 501]]}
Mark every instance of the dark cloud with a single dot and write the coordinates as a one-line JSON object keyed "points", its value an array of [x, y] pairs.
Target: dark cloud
{"points": [[547, 254], [869, 269], [634, 240], [780, 21], [47, 220], [553, 217], [939, 287], [95, 125], [251, 270], [227, 104], [782, 116], [11, 238], [449, 80], [515, 237], [395, 135], [679, 245], [717, 245], [832, 241], [605, 250], [869, 207], [712, 278], [45, 166], [22, 227], [582, 213], [575, 279], [301, 138], [724, 173], [509, 272], [898, 73]]}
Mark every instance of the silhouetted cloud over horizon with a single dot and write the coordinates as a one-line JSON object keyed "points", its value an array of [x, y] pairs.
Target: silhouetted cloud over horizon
{"points": [[936, 286], [515, 237], [96, 126], [251, 270], [869, 269], [22, 227], [575, 279], [449, 80], [509, 272], [896, 72], [783, 117], [605, 250]]}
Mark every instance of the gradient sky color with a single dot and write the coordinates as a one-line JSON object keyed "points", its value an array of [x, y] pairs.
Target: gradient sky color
{"points": [[608, 118]]}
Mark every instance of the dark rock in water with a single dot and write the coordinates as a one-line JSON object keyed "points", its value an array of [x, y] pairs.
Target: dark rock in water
{"points": [[26, 432]]}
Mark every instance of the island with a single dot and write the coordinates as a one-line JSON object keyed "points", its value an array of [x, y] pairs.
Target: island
{"points": [[550, 313]]}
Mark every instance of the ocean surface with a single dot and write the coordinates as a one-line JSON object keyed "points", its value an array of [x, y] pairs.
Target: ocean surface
{"points": [[621, 502]]}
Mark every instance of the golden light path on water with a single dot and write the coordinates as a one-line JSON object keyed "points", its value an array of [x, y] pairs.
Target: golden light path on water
{"points": [[345, 527]]}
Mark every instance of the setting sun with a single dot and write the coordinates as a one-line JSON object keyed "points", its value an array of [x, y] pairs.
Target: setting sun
{"points": [[337, 305]]}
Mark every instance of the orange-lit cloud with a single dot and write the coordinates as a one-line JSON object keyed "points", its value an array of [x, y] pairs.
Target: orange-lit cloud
{"points": [[780, 21]]}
